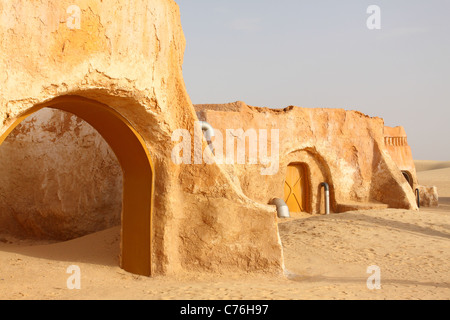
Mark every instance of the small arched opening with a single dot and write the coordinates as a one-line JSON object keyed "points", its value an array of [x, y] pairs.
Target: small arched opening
{"points": [[408, 177]]}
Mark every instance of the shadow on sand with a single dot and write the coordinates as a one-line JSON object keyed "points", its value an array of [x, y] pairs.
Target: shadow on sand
{"points": [[356, 217]]}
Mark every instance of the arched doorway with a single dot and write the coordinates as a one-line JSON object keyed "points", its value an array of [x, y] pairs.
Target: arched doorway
{"points": [[296, 188], [59, 180], [138, 174]]}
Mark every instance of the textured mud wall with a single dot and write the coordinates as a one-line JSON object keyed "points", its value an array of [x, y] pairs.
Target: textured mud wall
{"points": [[128, 55], [343, 148], [58, 179]]}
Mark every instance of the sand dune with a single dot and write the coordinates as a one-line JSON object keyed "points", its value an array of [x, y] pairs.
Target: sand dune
{"points": [[425, 165], [326, 257]]}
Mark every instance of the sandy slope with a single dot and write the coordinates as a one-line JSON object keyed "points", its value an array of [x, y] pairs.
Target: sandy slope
{"points": [[426, 165], [326, 257]]}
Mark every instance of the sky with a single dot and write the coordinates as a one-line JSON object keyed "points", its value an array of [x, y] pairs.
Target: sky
{"points": [[321, 53]]}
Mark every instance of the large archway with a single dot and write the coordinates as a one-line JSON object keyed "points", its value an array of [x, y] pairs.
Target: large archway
{"points": [[138, 174]]}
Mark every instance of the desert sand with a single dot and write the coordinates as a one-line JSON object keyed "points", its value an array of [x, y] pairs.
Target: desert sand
{"points": [[326, 257]]}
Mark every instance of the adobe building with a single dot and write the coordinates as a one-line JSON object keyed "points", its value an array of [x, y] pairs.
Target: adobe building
{"points": [[345, 149], [105, 84]]}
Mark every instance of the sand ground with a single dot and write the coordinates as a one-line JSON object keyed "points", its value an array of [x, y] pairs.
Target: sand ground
{"points": [[326, 257]]}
